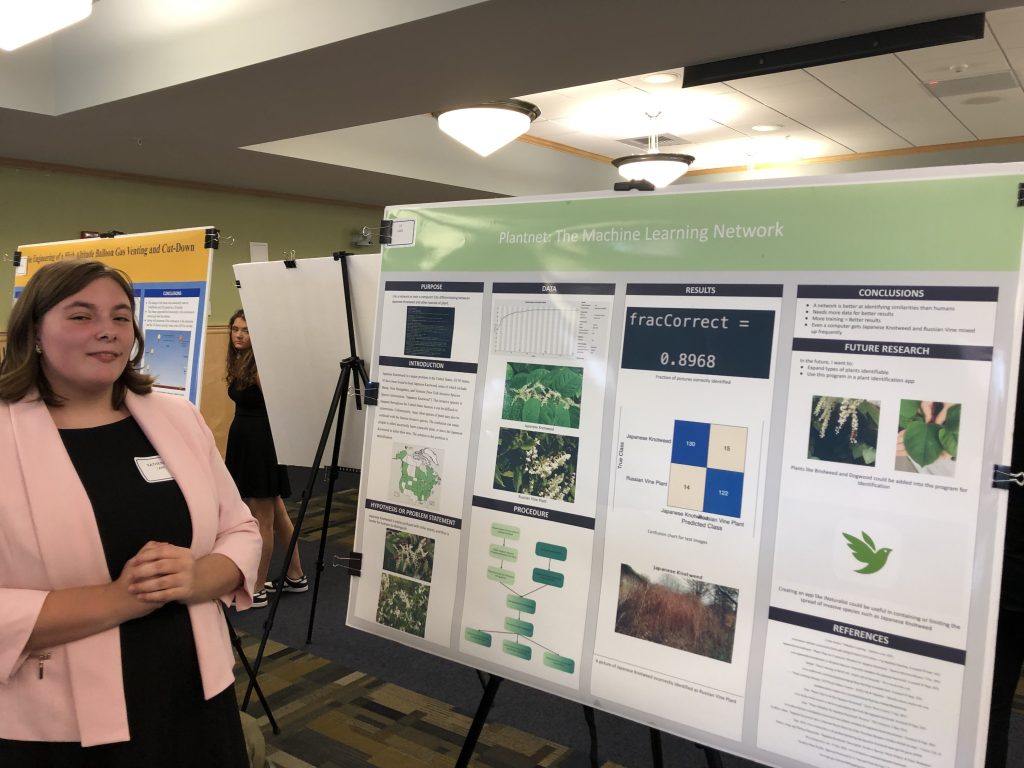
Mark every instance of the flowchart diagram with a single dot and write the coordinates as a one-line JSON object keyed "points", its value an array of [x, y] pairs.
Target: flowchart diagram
{"points": [[522, 642]]}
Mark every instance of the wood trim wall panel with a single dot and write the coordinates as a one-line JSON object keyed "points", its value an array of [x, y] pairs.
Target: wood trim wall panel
{"points": [[214, 403]]}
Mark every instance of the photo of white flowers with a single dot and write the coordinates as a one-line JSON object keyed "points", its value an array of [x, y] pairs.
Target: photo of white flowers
{"points": [[408, 554], [844, 429], [536, 463], [402, 604]]}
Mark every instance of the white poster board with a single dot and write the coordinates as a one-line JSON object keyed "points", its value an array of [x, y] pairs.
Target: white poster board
{"points": [[299, 330], [716, 459]]}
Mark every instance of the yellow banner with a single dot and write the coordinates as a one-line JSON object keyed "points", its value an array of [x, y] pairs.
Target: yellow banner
{"points": [[178, 255]]}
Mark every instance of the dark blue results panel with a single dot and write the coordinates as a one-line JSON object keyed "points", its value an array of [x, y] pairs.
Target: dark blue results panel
{"points": [[714, 342]]}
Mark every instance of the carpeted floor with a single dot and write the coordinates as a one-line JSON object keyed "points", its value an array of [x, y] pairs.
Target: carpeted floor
{"points": [[330, 715], [352, 699]]}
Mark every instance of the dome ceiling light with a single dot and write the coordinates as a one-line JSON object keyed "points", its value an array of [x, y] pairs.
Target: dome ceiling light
{"points": [[25, 21], [487, 127], [659, 168]]}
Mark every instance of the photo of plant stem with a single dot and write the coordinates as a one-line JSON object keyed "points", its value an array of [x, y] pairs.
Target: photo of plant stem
{"points": [[402, 604], [543, 394], [683, 613], [928, 437], [536, 463], [408, 554], [844, 429]]}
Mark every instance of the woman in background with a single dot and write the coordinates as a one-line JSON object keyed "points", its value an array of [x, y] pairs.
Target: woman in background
{"points": [[252, 460], [120, 530]]}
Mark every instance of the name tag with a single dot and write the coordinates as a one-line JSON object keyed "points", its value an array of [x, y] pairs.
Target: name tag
{"points": [[153, 469]]}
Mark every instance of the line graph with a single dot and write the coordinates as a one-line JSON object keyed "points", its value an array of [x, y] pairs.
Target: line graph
{"points": [[536, 328]]}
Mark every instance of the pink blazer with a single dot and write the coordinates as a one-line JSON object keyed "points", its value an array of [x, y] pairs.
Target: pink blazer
{"points": [[49, 540]]}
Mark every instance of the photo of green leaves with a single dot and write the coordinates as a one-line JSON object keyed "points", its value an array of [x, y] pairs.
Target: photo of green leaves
{"points": [[844, 429], [543, 394], [928, 437], [536, 463], [402, 604], [408, 554]]}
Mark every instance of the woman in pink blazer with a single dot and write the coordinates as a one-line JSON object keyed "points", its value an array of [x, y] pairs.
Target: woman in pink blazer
{"points": [[121, 533]]}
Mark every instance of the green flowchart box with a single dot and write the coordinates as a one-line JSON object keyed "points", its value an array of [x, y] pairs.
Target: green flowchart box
{"points": [[478, 636], [524, 604], [519, 626], [519, 650], [500, 575], [549, 578], [552, 551], [503, 531], [561, 663], [504, 553]]}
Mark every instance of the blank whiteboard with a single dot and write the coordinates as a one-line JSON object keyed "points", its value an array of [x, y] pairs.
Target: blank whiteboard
{"points": [[297, 323]]}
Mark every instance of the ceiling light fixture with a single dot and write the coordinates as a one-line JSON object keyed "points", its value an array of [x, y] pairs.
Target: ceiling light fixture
{"points": [[24, 21], [659, 168], [765, 127], [487, 127]]}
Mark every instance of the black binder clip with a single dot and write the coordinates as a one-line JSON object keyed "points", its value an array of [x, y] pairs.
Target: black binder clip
{"points": [[371, 392], [386, 227], [354, 567], [1004, 477]]}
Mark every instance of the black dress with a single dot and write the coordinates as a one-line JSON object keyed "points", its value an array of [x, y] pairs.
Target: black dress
{"points": [[250, 455], [169, 721]]}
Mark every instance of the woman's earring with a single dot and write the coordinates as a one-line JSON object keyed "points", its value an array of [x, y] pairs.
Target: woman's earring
{"points": [[39, 350]]}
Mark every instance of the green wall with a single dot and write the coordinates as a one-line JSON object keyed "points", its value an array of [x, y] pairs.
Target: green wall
{"points": [[39, 206]]}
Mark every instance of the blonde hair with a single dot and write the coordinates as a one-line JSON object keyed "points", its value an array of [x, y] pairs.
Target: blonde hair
{"points": [[21, 370]]}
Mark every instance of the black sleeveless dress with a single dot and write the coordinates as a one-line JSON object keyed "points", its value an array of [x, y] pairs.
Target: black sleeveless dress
{"points": [[250, 455], [169, 721]]}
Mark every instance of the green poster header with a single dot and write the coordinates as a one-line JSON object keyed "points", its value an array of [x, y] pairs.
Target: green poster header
{"points": [[971, 223]]}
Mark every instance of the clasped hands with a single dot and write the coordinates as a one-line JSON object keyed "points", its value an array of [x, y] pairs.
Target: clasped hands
{"points": [[160, 573]]}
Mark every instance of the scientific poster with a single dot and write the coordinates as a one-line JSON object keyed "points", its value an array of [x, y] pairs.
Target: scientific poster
{"points": [[716, 459], [170, 272]]}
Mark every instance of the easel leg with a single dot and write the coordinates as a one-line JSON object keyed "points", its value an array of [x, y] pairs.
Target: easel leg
{"points": [[713, 756], [588, 715], [236, 642], [332, 477], [657, 759], [341, 387], [478, 721]]}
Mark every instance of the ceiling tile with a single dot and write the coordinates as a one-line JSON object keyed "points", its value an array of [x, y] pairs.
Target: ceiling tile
{"points": [[815, 105], [990, 116], [886, 90], [948, 62]]}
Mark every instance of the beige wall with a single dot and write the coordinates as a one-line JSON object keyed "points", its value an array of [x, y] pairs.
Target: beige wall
{"points": [[40, 205]]}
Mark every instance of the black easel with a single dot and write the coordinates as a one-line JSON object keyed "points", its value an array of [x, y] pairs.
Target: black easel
{"points": [[713, 756], [353, 372], [237, 644]]}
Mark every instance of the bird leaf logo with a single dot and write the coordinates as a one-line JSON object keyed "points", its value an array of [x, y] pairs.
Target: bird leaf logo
{"points": [[865, 551]]}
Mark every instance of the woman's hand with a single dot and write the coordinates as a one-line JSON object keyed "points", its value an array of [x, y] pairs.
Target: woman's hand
{"points": [[160, 573]]}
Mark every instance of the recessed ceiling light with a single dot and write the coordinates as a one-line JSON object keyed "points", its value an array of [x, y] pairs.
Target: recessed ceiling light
{"points": [[660, 78], [765, 127]]}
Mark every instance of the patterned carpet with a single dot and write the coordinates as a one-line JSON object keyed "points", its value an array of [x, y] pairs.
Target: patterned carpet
{"points": [[332, 716]]}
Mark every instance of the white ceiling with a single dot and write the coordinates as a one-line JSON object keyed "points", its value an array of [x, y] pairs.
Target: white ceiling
{"points": [[329, 98]]}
